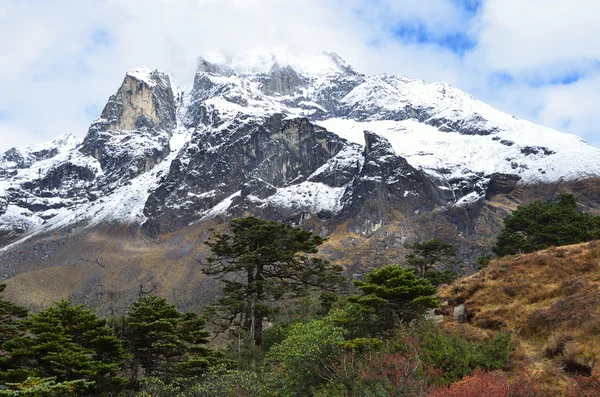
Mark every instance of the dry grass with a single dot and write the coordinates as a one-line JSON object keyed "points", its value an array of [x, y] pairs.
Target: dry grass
{"points": [[549, 300]]}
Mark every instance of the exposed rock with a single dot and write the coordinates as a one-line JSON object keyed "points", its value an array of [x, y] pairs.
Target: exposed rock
{"points": [[458, 314]]}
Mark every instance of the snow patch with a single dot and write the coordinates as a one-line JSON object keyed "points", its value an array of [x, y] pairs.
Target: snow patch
{"points": [[312, 197]]}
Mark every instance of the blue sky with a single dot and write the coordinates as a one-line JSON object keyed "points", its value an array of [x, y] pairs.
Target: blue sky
{"points": [[536, 59]]}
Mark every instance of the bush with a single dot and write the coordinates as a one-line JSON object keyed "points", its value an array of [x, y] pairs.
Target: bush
{"points": [[379, 373], [46, 387], [459, 357], [303, 359], [218, 381], [439, 277], [479, 384]]}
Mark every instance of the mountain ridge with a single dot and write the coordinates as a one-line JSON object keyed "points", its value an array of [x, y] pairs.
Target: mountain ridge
{"points": [[374, 161]]}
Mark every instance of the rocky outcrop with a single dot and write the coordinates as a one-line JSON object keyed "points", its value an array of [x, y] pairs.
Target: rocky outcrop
{"points": [[282, 81], [246, 159], [387, 182], [132, 134], [144, 101]]}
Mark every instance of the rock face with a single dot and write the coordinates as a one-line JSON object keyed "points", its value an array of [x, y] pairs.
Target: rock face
{"points": [[132, 134], [248, 162], [373, 161]]}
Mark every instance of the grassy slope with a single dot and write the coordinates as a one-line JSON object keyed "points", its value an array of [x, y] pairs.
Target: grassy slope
{"points": [[549, 300]]}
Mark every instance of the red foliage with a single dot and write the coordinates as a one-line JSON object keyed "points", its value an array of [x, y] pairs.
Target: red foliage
{"points": [[584, 386], [493, 384], [480, 384]]}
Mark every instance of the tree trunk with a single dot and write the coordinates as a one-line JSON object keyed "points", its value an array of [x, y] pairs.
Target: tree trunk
{"points": [[257, 315], [247, 323], [258, 330]]}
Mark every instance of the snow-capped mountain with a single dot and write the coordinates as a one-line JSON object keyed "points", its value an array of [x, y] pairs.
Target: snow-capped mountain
{"points": [[284, 137]]}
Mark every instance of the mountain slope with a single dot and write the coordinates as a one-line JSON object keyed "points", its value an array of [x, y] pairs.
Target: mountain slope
{"points": [[547, 299], [371, 161]]}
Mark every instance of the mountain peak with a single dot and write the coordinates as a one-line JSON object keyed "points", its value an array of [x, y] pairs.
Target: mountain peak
{"points": [[148, 76], [264, 62]]}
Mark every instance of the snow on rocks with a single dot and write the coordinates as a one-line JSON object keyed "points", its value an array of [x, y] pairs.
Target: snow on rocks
{"points": [[458, 141]]}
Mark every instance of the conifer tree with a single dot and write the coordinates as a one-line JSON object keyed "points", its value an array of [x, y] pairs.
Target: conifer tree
{"points": [[261, 262], [9, 318], [392, 294], [539, 225], [427, 254], [165, 341], [69, 343]]}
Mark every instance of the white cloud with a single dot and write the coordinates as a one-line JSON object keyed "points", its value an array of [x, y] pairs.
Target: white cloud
{"points": [[67, 56], [519, 35]]}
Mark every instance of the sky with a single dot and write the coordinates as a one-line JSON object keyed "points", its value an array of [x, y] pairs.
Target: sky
{"points": [[535, 59]]}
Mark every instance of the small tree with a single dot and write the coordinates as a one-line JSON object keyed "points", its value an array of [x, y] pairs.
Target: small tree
{"points": [[163, 340], [69, 343], [261, 262], [426, 255], [392, 294], [539, 225]]}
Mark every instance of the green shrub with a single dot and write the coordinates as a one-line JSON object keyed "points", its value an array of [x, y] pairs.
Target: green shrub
{"points": [[218, 381], [439, 277], [303, 359], [458, 357]]}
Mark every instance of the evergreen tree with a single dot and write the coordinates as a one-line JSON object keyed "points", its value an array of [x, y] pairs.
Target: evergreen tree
{"points": [[539, 225], [261, 262], [428, 254], [197, 357], [47, 387], [164, 341], [69, 343], [390, 295], [9, 318]]}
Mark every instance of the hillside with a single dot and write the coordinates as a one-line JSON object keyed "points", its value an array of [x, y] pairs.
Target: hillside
{"points": [[549, 300]]}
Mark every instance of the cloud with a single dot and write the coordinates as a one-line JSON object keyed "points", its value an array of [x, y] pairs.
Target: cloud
{"points": [[537, 59]]}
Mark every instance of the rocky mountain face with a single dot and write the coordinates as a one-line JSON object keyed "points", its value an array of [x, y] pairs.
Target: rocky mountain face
{"points": [[372, 162]]}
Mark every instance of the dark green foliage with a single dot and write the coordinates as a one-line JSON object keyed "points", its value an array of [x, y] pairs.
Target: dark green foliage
{"points": [[260, 263], [439, 277], [69, 343], [390, 295], [458, 357], [164, 341], [426, 255], [539, 225], [47, 387], [483, 261], [9, 318]]}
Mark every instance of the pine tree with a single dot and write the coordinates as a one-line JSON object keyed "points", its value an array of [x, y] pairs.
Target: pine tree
{"points": [[69, 343], [165, 341], [392, 294], [428, 254], [539, 225], [261, 262], [9, 318], [197, 358]]}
